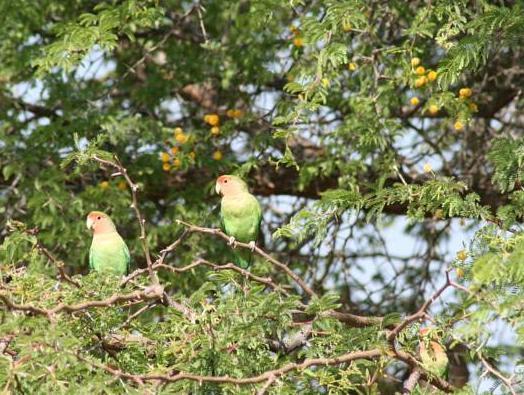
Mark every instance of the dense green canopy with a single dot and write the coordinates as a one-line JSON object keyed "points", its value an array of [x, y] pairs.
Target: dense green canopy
{"points": [[377, 135]]}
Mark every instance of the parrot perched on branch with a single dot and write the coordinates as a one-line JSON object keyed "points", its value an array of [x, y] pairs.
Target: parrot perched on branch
{"points": [[109, 252], [432, 354], [240, 213]]}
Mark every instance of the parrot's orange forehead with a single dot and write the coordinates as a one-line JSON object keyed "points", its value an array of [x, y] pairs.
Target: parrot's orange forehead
{"points": [[97, 215], [223, 179]]}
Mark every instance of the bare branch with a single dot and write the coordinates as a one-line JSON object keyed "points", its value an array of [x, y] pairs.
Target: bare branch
{"points": [[496, 373], [412, 381], [150, 293], [421, 311], [217, 232], [264, 377]]}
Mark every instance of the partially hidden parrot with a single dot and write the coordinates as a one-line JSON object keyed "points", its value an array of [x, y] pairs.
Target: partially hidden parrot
{"points": [[109, 252], [240, 215], [432, 354]]}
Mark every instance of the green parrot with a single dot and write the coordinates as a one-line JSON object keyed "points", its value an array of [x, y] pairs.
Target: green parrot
{"points": [[240, 213], [109, 252]]}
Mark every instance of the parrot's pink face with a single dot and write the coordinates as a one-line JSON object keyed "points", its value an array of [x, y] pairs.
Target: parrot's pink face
{"points": [[229, 185], [99, 222]]}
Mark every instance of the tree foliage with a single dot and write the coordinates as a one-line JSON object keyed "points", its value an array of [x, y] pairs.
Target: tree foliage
{"points": [[375, 134]]}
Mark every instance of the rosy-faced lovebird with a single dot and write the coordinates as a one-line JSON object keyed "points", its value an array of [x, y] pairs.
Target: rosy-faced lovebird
{"points": [[109, 252], [240, 214]]}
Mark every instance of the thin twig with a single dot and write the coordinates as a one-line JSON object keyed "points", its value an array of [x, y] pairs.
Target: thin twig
{"points": [[134, 205], [421, 311], [496, 373]]}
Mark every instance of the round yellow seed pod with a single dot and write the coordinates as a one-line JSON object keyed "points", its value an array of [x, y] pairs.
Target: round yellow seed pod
{"points": [[217, 155], [420, 70], [433, 109], [420, 82]]}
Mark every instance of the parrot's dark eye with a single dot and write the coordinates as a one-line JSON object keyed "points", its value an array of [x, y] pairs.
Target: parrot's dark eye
{"points": [[225, 181], [99, 218]]}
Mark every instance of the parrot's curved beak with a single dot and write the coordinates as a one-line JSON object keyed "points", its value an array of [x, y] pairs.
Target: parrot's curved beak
{"points": [[89, 223], [217, 188]]}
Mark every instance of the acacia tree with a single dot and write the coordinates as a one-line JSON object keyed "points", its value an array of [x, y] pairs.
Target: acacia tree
{"points": [[374, 134]]}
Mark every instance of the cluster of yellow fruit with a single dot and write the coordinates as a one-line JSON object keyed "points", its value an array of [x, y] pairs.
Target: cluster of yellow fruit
{"points": [[424, 76], [122, 185], [172, 159], [427, 76], [298, 41], [214, 121]]}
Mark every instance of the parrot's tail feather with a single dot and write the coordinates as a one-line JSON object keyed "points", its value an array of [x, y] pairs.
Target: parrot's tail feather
{"points": [[243, 258]]}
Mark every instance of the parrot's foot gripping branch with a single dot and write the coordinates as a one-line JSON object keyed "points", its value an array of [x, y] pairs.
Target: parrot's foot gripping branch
{"points": [[232, 242], [252, 245]]}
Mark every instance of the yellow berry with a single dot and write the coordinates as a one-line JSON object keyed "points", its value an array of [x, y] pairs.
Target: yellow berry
{"points": [[459, 125], [178, 131], [420, 70], [104, 185], [212, 119], [433, 109], [217, 155], [462, 255], [420, 82], [174, 150], [239, 113], [427, 168], [181, 138], [465, 92], [166, 167], [215, 130], [473, 107], [192, 155], [176, 162], [352, 66], [460, 272], [432, 75], [298, 42], [164, 156], [234, 113], [122, 185], [414, 101], [415, 62]]}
